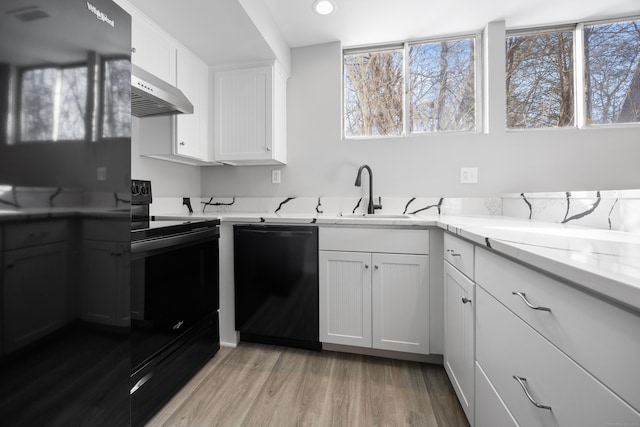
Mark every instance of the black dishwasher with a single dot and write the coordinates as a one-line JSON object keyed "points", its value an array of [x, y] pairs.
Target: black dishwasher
{"points": [[276, 284]]}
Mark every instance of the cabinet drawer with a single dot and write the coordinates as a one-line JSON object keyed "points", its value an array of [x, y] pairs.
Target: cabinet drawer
{"points": [[600, 336], [490, 409], [459, 253], [385, 240], [26, 234], [507, 348]]}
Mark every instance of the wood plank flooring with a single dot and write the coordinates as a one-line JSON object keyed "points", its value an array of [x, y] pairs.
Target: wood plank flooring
{"points": [[261, 385]]}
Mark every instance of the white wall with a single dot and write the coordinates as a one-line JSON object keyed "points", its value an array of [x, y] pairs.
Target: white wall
{"points": [[320, 163], [169, 179]]}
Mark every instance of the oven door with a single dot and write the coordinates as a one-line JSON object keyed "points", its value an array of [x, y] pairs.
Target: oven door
{"points": [[174, 286]]}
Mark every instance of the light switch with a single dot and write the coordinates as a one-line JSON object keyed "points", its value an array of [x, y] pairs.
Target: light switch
{"points": [[275, 176], [468, 175]]}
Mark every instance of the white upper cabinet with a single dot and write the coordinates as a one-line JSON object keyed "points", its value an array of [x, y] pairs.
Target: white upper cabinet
{"points": [[182, 138], [152, 50], [250, 115], [191, 129]]}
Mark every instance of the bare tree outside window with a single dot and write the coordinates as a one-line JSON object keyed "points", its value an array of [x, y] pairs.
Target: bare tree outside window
{"points": [[539, 80], [53, 104], [373, 93], [116, 121], [73, 104], [442, 86], [37, 104], [612, 70]]}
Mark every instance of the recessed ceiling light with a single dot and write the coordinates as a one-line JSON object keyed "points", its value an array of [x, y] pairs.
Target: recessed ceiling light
{"points": [[324, 7]]}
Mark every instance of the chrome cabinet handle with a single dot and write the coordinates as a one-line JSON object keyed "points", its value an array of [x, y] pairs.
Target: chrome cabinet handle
{"points": [[377, 267], [182, 143], [453, 253], [523, 383], [465, 300], [531, 306], [366, 266]]}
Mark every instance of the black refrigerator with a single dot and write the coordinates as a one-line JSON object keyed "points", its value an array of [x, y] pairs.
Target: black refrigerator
{"points": [[65, 162]]}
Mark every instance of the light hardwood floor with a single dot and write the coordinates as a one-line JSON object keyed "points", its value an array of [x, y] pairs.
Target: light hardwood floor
{"points": [[261, 385]]}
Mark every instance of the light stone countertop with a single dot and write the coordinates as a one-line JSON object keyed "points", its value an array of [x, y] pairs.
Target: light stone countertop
{"points": [[605, 262]]}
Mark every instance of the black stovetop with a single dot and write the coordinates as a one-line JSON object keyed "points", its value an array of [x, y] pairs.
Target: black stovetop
{"points": [[159, 228]]}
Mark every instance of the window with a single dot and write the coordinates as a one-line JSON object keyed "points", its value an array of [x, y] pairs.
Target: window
{"points": [[612, 74], [373, 93], [116, 108], [539, 78], [542, 91], [442, 86], [53, 104], [439, 78], [62, 103]]}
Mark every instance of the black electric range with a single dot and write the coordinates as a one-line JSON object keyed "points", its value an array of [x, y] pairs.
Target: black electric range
{"points": [[174, 303]]}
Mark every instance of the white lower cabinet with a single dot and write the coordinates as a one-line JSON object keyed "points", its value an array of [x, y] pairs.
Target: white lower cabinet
{"points": [[538, 383], [374, 299], [459, 336], [400, 302], [345, 298]]}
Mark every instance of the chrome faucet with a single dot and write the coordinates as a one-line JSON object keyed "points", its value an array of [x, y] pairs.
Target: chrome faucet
{"points": [[372, 207]]}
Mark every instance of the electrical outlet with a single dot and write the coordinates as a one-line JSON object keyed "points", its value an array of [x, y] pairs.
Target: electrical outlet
{"points": [[275, 176], [468, 175]]}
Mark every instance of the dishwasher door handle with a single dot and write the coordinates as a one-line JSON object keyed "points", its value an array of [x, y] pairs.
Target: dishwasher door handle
{"points": [[274, 233]]}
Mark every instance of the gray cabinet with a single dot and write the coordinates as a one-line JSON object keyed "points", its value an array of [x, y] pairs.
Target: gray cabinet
{"points": [[36, 294], [104, 288]]}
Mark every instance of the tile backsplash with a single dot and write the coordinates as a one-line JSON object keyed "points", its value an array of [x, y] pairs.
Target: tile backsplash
{"points": [[335, 205], [611, 210]]}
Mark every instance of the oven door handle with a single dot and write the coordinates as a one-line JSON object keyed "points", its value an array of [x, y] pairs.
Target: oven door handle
{"points": [[141, 383], [166, 242]]}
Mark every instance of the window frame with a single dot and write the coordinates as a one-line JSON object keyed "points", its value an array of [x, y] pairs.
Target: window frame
{"points": [[579, 78], [576, 85], [406, 101], [20, 87]]}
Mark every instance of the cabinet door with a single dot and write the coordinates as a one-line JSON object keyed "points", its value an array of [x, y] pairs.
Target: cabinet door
{"points": [[459, 335], [152, 50], [400, 292], [192, 80], [243, 108], [35, 295], [345, 298], [104, 289]]}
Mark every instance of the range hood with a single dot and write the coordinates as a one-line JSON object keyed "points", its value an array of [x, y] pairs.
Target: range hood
{"points": [[152, 96]]}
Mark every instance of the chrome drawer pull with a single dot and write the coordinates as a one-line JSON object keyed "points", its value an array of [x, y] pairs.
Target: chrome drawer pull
{"points": [[465, 300], [523, 383], [453, 253], [531, 306]]}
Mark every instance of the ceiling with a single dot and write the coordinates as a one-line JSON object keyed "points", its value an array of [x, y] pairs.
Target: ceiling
{"points": [[221, 32]]}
